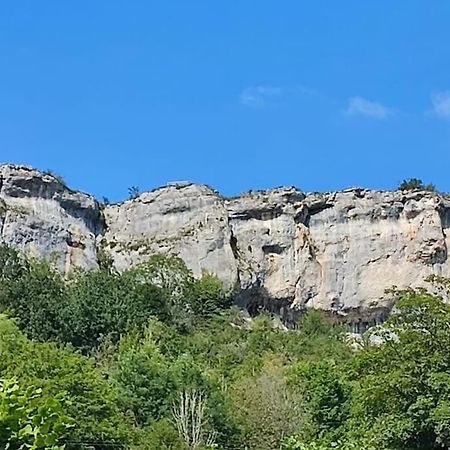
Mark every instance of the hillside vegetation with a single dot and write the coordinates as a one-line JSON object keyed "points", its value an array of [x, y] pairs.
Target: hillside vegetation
{"points": [[152, 358]]}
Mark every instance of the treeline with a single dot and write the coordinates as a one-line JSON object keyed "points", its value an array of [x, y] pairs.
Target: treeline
{"points": [[153, 358]]}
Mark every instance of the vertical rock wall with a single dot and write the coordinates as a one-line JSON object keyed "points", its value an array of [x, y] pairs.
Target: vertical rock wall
{"points": [[40, 215], [285, 250]]}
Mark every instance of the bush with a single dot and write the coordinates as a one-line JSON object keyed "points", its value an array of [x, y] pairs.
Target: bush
{"points": [[34, 293], [415, 184], [89, 399], [103, 304], [327, 395], [106, 305], [145, 378], [29, 421], [161, 435], [208, 297], [269, 409], [150, 384]]}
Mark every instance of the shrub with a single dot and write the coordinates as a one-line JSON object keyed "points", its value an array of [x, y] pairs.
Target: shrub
{"points": [[34, 293], [104, 304], [133, 192], [89, 399], [269, 409], [27, 420], [415, 184]]}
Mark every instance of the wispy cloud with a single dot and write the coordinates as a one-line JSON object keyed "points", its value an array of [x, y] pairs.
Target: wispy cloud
{"points": [[260, 96], [359, 106], [441, 105]]}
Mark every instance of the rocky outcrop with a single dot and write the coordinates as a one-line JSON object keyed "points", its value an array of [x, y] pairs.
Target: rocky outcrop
{"points": [[190, 221], [365, 242], [40, 215], [337, 252], [283, 249]]}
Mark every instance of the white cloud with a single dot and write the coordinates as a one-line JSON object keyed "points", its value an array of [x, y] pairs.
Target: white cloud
{"points": [[441, 105], [258, 96], [359, 106]]}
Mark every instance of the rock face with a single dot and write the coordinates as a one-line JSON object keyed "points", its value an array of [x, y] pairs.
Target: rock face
{"points": [[283, 249], [337, 252], [40, 215], [366, 241], [189, 221]]}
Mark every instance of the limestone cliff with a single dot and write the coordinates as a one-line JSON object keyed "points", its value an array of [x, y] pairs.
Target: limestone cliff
{"points": [[40, 215], [285, 250]]}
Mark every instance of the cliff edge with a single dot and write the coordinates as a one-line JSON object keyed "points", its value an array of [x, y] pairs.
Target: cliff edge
{"points": [[285, 250]]}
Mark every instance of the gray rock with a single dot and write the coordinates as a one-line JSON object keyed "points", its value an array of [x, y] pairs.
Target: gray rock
{"points": [[284, 249], [41, 216], [188, 221]]}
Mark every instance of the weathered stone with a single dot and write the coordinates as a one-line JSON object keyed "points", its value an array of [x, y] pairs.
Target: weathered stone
{"points": [[368, 241], [189, 221], [271, 244], [40, 215], [284, 249]]}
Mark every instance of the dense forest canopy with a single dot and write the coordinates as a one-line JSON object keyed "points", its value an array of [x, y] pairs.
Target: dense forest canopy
{"points": [[152, 358]]}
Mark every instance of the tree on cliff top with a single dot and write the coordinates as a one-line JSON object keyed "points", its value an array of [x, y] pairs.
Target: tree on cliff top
{"points": [[416, 184]]}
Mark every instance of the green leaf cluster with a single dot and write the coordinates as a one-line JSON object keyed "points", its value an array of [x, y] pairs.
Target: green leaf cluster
{"points": [[29, 421]]}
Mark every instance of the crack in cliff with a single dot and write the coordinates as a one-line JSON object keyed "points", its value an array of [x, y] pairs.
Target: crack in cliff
{"points": [[3, 224], [2, 181], [3, 208]]}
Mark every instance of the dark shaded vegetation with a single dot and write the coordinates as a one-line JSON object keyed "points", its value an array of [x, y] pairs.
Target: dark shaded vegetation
{"points": [[416, 184], [153, 358], [55, 175], [133, 192]]}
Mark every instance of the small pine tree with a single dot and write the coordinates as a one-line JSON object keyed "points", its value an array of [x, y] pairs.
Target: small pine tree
{"points": [[133, 192], [416, 184], [58, 177]]}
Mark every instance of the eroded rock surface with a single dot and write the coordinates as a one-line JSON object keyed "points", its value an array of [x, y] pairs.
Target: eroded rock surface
{"points": [[367, 241], [40, 215], [285, 250], [189, 221]]}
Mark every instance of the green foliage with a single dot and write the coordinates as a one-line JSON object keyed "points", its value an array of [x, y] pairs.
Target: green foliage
{"points": [[132, 323], [172, 276], [189, 300], [150, 383], [32, 292], [161, 435], [28, 421], [89, 399], [394, 395], [105, 260], [146, 379], [402, 388], [104, 304], [327, 394], [133, 192], [118, 351], [208, 297], [415, 184], [269, 409]]}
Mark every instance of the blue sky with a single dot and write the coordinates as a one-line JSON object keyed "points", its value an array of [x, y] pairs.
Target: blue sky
{"points": [[236, 94]]}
